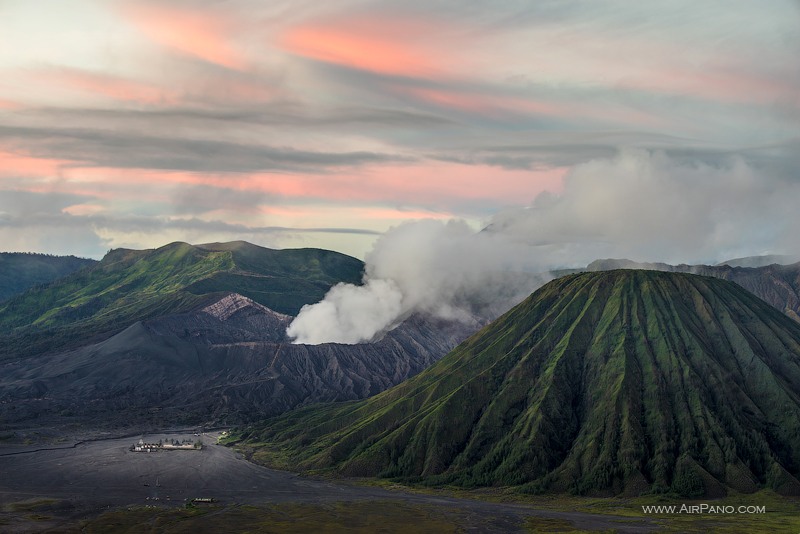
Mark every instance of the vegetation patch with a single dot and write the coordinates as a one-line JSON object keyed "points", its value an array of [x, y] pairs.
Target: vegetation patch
{"points": [[358, 517], [33, 505]]}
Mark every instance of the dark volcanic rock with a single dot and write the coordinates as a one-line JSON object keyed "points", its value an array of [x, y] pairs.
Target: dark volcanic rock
{"points": [[231, 319], [228, 362]]}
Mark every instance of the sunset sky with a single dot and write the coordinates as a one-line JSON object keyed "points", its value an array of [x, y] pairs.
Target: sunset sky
{"points": [[291, 123]]}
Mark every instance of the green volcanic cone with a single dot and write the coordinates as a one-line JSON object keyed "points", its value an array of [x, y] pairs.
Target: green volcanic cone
{"points": [[606, 383]]}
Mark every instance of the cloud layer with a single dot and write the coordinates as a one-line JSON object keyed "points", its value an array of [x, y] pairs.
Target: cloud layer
{"points": [[369, 113]]}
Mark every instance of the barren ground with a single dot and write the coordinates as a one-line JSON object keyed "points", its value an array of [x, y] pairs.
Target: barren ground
{"points": [[64, 485]]}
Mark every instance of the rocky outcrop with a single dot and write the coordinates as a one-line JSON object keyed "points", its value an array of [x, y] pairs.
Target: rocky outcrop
{"points": [[231, 319]]}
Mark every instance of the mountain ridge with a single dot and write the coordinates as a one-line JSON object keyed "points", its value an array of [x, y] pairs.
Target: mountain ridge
{"points": [[761, 261], [128, 286]]}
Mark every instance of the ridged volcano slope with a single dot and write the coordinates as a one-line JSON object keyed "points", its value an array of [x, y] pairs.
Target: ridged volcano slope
{"points": [[618, 382], [778, 285], [134, 285]]}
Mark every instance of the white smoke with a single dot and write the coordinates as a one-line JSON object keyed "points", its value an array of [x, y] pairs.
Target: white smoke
{"points": [[349, 313], [640, 205], [442, 269]]}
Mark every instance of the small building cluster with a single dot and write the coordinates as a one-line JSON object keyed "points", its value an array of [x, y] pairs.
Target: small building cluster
{"points": [[174, 444], [146, 447]]}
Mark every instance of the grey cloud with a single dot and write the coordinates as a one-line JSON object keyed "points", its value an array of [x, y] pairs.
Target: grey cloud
{"points": [[567, 150], [384, 117], [525, 156], [284, 114], [129, 150], [29, 204], [714, 19], [60, 240], [201, 199], [154, 224], [653, 206]]}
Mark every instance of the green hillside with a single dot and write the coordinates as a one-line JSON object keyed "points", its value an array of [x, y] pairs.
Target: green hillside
{"points": [[19, 271], [605, 383], [130, 285]]}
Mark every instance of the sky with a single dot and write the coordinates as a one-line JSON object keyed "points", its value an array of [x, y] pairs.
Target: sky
{"points": [[659, 130]]}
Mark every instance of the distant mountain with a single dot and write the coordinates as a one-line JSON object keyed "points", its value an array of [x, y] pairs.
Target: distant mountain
{"points": [[228, 362], [601, 383], [761, 261], [609, 264], [127, 286], [778, 285], [19, 271]]}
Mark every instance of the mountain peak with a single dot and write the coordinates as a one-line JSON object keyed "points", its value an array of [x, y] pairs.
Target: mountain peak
{"points": [[615, 382]]}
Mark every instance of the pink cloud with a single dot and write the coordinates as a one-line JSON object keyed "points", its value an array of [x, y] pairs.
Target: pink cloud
{"points": [[394, 45], [718, 83], [47, 175], [367, 213], [438, 184], [205, 35], [84, 209], [441, 186], [15, 165], [484, 104]]}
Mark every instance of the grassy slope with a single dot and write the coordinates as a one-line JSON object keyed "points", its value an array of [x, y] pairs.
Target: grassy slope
{"points": [[617, 382], [127, 286], [19, 271], [283, 280]]}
